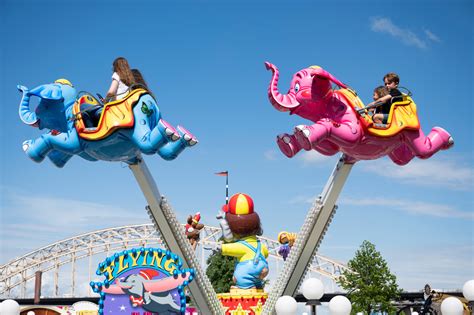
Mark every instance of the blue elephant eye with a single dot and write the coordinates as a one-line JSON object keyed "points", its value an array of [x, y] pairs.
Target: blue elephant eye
{"points": [[297, 87]]}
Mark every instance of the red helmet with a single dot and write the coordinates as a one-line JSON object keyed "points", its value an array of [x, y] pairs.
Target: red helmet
{"points": [[239, 204]]}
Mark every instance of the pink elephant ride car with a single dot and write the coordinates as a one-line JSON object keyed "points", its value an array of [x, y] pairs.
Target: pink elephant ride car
{"points": [[341, 122]]}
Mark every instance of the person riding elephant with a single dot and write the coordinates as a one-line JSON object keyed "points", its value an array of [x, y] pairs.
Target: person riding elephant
{"points": [[240, 226], [128, 128], [339, 123]]}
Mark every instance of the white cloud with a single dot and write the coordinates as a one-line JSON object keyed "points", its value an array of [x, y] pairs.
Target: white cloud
{"points": [[313, 157], [270, 155], [307, 157], [385, 25], [443, 267], [451, 174], [431, 36], [70, 213], [64, 281], [52, 219], [302, 199], [412, 207]]}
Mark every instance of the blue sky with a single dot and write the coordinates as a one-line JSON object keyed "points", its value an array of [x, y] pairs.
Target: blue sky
{"points": [[204, 60]]}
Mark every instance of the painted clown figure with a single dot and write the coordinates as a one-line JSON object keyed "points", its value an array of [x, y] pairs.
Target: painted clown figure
{"points": [[240, 227], [193, 229], [287, 241]]}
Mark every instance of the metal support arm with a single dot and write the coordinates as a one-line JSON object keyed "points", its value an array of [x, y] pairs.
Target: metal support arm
{"points": [[312, 232], [172, 233]]}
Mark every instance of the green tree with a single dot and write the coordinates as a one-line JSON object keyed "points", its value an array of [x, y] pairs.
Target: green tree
{"points": [[369, 283], [220, 270]]}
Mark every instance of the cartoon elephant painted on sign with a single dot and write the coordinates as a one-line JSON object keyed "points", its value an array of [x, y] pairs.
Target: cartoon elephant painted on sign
{"points": [[126, 128], [152, 295], [339, 126]]}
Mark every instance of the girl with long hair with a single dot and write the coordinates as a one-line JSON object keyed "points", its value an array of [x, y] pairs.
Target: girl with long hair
{"points": [[139, 80], [122, 79]]}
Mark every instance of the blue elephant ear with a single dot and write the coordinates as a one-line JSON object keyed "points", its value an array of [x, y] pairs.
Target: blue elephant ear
{"points": [[51, 98], [48, 92]]}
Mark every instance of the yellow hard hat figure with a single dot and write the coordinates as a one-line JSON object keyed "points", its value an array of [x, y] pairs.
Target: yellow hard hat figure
{"points": [[244, 224], [64, 82], [240, 215], [239, 204]]}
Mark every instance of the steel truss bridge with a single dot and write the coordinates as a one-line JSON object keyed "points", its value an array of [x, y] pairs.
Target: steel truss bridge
{"points": [[69, 265]]}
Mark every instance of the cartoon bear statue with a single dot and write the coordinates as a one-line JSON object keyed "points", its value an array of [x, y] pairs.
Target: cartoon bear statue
{"points": [[193, 229]]}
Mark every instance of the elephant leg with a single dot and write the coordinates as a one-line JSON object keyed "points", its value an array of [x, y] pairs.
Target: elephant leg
{"points": [[347, 134], [327, 148], [172, 149], [401, 155], [187, 138], [425, 146], [146, 297], [288, 144], [59, 158], [150, 140], [39, 148], [309, 137], [166, 302]]}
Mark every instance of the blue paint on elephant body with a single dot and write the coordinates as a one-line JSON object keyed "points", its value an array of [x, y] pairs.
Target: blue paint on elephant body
{"points": [[149, 135], [116, 147], [52, 115]]}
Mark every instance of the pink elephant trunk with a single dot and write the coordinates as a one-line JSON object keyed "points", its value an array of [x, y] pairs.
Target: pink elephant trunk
{"points": [[282, 102]]}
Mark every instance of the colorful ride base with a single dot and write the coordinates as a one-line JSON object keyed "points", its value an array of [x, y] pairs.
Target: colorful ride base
{"points": [[243, 302]]}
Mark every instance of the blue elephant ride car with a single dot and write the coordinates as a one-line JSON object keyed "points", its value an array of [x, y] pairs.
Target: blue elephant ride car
{"points": [[124, 129]]}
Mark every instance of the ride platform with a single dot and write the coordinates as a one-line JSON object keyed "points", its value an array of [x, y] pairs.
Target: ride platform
{"points": [[243, 302]]}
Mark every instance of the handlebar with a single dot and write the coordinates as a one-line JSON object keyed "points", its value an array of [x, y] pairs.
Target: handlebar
{"points": [[362, 110]]}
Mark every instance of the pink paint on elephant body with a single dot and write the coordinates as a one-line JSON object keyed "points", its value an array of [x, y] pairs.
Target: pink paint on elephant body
{"points": [[338, 128]]}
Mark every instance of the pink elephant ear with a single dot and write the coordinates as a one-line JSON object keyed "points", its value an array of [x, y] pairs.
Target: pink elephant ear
{"points": [[165, 284], [320, 72], [113, 289]]}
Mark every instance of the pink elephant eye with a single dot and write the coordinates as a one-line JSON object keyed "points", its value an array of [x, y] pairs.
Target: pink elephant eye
{"points": [[297, 87]]}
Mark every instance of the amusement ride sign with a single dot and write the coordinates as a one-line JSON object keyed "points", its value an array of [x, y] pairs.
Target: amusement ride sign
{"points": [[142, 281]]}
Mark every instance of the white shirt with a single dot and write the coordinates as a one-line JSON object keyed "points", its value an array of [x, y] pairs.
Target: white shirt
{"points": [[122, 88]]}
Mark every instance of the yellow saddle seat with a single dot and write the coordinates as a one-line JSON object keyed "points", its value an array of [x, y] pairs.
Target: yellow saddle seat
{"points": [[402, 115], [115, 115]]}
